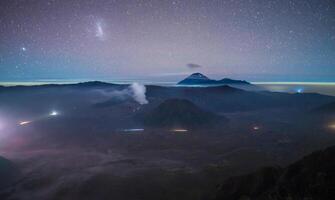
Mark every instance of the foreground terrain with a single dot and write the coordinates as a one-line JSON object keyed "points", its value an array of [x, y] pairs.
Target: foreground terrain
{"points": [[104, 141]]}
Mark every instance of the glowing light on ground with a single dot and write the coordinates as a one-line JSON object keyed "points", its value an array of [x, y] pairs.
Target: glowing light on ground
{"points": [[332, 126], [179, 130], [300, 90], [256, 128], [53, 113], [24, 123]]}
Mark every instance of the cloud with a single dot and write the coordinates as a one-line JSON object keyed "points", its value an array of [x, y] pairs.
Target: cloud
{"points": [[193, 66], [138, 93]]}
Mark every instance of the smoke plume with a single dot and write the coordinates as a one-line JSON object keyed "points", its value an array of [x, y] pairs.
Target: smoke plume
{"points": [[135, 91], [138, 93]]}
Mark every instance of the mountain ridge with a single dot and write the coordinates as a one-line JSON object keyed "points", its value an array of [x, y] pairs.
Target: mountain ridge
{"points": [[200, 79]]}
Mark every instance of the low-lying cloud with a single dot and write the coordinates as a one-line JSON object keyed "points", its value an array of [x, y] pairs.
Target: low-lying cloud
{"points": [[193, 66]]}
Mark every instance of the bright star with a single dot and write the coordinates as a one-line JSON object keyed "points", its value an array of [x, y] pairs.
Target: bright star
{"points": [[23, 49]]}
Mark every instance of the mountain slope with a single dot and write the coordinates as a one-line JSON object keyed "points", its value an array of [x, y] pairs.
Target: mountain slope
{"points": [[200, 79], [313, 177], [327, 108], [9, 173], [179, 113]]}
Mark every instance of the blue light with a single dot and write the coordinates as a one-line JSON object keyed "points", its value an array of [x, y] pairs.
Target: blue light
{"points": [[300, 90]]}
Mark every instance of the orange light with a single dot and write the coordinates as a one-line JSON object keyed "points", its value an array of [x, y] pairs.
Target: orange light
{"points": [[332, 126]]}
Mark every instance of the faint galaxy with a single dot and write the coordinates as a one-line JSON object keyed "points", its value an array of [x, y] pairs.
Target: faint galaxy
{"points": [[258, 40]]}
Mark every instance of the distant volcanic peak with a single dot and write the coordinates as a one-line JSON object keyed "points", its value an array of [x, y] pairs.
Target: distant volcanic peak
{"points": [[178, 113], [200, 79], [198, 76], [196, 79]]}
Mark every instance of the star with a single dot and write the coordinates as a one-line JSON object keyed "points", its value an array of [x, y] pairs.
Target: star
{"points": [[23, 49]]}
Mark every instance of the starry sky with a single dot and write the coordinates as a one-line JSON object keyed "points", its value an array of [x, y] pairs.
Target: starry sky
{"points": [[274, 40]]}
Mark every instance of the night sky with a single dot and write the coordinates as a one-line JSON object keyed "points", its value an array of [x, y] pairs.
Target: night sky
{"points": [[116, 39]]}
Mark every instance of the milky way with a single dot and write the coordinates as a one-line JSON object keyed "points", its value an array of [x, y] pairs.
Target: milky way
{"points": [[255, 40]]}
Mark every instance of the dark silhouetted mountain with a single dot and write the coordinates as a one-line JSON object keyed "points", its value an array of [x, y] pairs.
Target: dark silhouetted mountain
{"points": [[232, 81], [9, 173], [81, 85], [327, 108], [98, 84], [313, 177], [230, 99], [200, 79], [223, 98], [179, 113]]}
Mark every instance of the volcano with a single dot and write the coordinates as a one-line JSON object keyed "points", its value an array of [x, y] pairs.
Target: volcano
{"points": [[180, 113], [200, 79]]}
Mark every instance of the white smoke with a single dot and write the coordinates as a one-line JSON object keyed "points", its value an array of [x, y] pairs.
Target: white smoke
{"points": [[135, 91], [138, 93]]}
